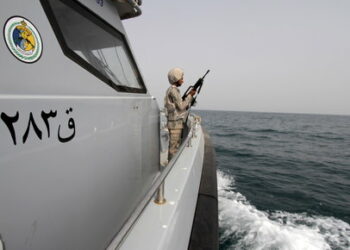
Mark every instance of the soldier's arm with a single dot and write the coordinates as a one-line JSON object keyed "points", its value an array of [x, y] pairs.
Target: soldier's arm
{"points": [[179, 103]]}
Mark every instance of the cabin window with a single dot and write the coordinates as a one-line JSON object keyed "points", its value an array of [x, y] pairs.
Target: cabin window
{"points": [[94, 44]]}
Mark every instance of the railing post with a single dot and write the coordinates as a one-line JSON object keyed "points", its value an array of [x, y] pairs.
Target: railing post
{"points": [[164, 151], [160, 199]]}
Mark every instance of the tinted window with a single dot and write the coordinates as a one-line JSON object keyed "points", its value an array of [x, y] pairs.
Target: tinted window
{"points": [[94, 44]]}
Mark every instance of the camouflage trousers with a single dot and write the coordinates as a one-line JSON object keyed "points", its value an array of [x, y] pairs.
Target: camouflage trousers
{"points": [[175, 141]]}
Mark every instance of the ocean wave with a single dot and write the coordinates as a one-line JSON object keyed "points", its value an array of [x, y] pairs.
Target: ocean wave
{"points": [[269, 130], [240, 153], [226, 134], [253, 229], [328, 137]]}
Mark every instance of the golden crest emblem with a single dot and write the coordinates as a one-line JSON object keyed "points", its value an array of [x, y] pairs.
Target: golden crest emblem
{"points": [[23, 39]]}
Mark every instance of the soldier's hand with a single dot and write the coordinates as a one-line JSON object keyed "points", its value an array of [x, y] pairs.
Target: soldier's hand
{"points": [[192, 92]]}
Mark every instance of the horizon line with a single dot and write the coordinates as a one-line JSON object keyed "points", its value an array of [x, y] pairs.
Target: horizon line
{"points": [[270, 112]]}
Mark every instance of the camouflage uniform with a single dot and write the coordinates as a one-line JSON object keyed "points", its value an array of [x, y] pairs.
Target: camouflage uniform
{"points": [[176, 113]]}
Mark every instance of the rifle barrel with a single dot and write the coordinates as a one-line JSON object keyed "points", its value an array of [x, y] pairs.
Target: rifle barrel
{"points": [[206, 73]]}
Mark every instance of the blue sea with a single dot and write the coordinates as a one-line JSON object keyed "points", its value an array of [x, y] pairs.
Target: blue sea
{"points": [[283, 179]]}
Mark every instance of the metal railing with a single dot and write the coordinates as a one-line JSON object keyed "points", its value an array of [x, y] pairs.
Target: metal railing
{"points": [[158, 186]]}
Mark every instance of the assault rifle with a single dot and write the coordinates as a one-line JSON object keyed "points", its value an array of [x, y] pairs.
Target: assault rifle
{"points": [[197, 87]]}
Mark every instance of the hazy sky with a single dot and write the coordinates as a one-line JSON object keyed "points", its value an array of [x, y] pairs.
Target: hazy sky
{"points": [[264, 55]]}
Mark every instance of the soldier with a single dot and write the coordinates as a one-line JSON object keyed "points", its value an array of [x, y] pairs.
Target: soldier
{"points": [[176, 109]]}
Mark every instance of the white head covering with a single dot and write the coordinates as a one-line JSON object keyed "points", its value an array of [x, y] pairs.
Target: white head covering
{"points": [[175, 74]]}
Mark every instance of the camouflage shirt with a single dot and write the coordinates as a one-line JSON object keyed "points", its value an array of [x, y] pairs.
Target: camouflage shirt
{"points": [[175, 107]]}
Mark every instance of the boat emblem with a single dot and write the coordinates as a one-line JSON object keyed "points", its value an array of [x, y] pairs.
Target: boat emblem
{"points": [[23, 39]]}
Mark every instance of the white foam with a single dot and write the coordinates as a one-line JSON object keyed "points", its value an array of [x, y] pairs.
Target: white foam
{"points": [[258, 230]]}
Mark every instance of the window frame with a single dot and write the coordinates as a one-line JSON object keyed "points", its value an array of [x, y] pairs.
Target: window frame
{"points": [[87, 13]]}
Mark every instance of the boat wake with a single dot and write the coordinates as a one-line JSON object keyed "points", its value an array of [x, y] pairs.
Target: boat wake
{"points": [[242, 226]]}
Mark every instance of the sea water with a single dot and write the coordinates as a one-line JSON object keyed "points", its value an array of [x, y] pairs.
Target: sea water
{"points": [[283, 179]]}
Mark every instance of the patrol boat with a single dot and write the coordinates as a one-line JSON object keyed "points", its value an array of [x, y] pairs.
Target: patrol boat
{"points": [[83, 149]]}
